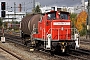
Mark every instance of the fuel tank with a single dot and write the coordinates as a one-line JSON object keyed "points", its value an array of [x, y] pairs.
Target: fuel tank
{"points": [[29, 22]]}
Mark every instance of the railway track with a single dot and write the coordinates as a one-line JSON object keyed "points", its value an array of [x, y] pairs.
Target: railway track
{"points": [[11, 39], [85, 41], [79, 54], [78, 57], [17, 57]]}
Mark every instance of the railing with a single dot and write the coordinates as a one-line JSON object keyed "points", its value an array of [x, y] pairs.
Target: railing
{"points": [[72, 30]]}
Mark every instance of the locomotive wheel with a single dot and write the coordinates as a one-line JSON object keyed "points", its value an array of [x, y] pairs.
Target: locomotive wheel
{"points": [[24, 42], [39, 45]]}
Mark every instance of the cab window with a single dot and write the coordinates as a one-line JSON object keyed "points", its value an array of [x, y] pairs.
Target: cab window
{"points": [[51, 16], [64, 16]]}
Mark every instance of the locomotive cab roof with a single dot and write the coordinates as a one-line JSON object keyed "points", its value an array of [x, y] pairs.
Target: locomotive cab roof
{"points": [[58, 12], [64, 12]]}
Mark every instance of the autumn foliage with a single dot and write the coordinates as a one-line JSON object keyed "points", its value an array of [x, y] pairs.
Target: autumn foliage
{"points": [[81, 20]]}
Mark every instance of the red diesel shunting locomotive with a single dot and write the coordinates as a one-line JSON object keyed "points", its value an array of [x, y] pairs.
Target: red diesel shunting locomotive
{"points": [[51, 31]]}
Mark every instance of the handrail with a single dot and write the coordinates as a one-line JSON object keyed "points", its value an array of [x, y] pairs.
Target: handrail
{"points": [[73, 30]]}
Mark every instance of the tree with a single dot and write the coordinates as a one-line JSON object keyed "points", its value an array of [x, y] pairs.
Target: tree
{"points": [[37, 9], [73, 19], [81, 22], [81, 19]]}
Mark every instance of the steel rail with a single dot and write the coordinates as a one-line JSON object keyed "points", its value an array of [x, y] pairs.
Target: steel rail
{"points": [[11, 53]]}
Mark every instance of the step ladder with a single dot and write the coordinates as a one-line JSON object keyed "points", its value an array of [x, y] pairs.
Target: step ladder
{"points": [[47, 43]]}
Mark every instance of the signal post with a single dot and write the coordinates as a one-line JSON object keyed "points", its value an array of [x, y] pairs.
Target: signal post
{"points": [[3, 14]]}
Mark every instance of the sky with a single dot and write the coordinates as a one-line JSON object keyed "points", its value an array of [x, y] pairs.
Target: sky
{"points": [[28, 4]]}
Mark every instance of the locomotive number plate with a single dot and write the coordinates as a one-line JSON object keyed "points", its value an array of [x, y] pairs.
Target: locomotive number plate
{"points": [[61, 23]]}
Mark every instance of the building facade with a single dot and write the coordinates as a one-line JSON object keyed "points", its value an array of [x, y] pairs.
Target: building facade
{"points": [[12, 16], [67, 9]]}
